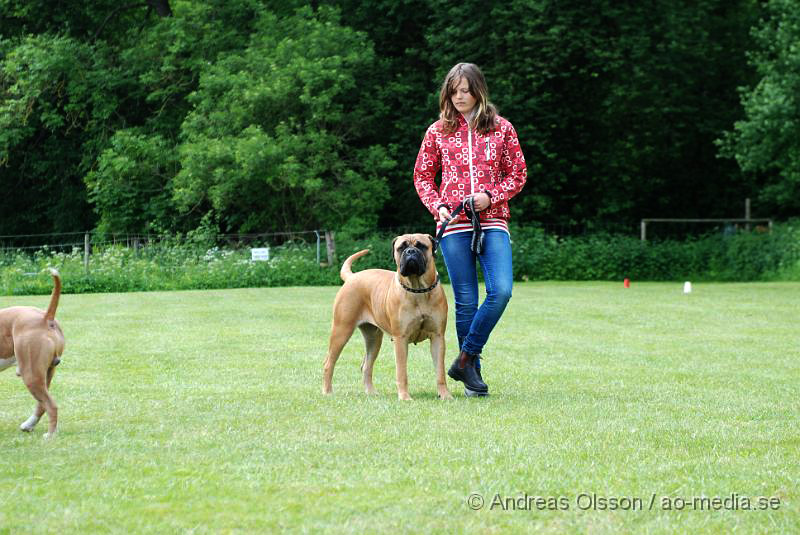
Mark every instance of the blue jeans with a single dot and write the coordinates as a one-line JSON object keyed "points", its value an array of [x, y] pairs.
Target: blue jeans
{"points": [[473, 323]]}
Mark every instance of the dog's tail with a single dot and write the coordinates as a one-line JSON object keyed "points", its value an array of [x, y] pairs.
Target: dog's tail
{"points": [[347, 271], [50, 315]]}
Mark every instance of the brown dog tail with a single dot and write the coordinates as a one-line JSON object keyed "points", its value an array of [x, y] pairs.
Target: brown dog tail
{"points": [[347, 271], [50, 315]]}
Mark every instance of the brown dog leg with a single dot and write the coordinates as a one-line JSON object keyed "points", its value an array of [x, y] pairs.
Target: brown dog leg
{"points": [[437, 353], [31, 422], [37, 385], [339, 337], [373, 337], [401, 362]]}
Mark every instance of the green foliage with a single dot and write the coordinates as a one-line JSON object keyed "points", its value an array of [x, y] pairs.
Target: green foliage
{"points": [[132, 184], [404, 88], [128, 187], [746, 256], [272, 141], [194, 262], [616, 104], [81, 20], [43, 85], [56, 96], [251, 115], [166, 265], [767, 142]]}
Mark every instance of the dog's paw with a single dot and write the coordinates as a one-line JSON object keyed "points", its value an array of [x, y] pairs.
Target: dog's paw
{"points": [[404, 397], [50, 436], [446, 395], [28, 425]]}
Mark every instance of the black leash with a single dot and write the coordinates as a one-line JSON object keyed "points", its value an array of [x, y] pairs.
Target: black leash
{"points": [[444, 223], [477, 232], [476, 245]]}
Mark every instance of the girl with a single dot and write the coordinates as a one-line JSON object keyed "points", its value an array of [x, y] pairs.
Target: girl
{"points": [[481, 164]]}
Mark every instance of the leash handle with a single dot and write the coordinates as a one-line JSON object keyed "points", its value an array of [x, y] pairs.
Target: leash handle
{"points": [[453, 215], [477, 233]]}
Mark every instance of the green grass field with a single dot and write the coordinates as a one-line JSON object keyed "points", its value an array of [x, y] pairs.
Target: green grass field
{"points": [[201, 412]]}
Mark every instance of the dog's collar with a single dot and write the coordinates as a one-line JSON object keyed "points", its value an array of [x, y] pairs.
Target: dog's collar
{"points": [[418, 290]]}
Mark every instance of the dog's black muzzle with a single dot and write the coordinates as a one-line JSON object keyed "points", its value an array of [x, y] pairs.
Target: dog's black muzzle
{"points": [[412, 262]]}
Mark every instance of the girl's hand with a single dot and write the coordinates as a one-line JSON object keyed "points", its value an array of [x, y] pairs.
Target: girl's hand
{"points": [[482, 201], [444, 214]]}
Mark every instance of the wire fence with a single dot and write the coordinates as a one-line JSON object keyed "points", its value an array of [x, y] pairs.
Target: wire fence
{"points": [[322, 241], [309, 243], [70, 240]]}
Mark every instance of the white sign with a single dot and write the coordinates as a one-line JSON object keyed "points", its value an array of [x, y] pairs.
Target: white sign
{"points": [[260, 254]]}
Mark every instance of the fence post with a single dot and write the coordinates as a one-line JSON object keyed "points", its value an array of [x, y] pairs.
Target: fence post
{"points": [[747, 213], [86, 252], [644, 230], [316, 233], [331, 245]]}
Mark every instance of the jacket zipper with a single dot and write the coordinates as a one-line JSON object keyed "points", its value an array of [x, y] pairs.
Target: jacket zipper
{"points": [[471, 172]]}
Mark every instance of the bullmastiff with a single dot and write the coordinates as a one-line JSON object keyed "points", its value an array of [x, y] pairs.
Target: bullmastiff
{"points": [[408, 304], [32, 339]]}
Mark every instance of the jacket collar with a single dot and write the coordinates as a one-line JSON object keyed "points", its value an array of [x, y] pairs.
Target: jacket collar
{"points": [[462, 120]]}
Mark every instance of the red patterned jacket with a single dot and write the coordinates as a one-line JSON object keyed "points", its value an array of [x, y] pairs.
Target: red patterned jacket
{"points": [[470, 163]]}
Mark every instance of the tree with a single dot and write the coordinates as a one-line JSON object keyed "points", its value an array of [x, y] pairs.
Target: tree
{"points": [[108, 20], [766, 143], [616, 104], [131, 185], [53, 90], [404, 87], [257, 116], [277, 138], [62, 94]]}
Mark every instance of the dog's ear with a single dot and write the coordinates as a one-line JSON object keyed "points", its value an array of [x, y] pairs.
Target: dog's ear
{"points": [[393, 242], [433, 245]]}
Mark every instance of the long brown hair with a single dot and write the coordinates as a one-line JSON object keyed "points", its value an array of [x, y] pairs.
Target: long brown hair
{"points": [[485, 112]]}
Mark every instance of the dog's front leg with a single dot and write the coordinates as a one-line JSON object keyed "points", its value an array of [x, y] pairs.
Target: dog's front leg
{"points": [[401, 362], [437, 353]]}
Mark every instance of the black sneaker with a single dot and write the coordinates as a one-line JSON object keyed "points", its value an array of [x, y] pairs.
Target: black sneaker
{"points": [[463, 369]]}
